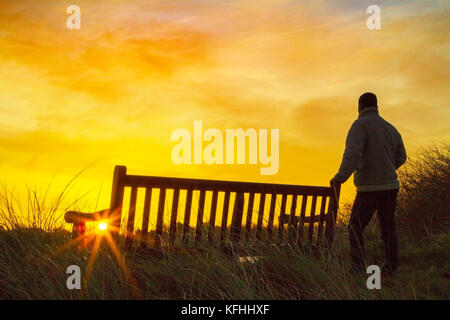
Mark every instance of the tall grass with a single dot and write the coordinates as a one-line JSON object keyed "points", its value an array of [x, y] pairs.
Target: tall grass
{"points": [[32, 266], [424, 198], [39, 209], [34, 256]]}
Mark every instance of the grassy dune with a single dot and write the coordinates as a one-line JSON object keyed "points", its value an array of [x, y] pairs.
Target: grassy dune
{"points": [[34, 256]]}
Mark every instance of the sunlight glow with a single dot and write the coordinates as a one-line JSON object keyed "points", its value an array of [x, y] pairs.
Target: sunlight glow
{"points": [[102, 226]]}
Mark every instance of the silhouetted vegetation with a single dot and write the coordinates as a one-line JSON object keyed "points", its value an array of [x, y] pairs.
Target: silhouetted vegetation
{"points": [[34, 255], [424, 198]]}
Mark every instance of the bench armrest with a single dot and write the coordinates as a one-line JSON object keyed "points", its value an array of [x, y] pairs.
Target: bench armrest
{"points": [[77, 217]]}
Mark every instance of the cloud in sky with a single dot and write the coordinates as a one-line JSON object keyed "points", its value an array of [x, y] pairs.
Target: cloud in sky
{"points": [[138, 70]]}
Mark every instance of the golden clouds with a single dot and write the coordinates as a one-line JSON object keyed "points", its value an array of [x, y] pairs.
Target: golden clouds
{"points": [[322, 120], [137, 70]]}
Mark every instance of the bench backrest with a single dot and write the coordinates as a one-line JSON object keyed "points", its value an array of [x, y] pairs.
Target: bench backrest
{"points": [[281, 226]]}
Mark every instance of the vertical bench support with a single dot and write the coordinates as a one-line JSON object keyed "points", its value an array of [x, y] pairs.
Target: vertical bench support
{"points": [[115, 211], [332, 215]]}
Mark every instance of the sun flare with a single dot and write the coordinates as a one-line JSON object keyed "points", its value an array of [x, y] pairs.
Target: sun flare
{"points": [[102, 226]]}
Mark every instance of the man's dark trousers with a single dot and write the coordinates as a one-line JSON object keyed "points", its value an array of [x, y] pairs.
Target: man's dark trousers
{"points": [[364, 206]]}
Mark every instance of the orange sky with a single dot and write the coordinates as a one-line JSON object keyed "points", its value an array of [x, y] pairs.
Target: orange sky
{"points": [[113, 91]]}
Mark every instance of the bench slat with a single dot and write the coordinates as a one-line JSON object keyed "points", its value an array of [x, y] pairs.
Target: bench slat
{"points": [[223, 185], [312, 219], [321, 219], [187, 216], [292, 220], [300, 225], [248, 223], [280, 224], [236, 221], [226, 205], [173, 216], [212, 216], [273, 199], [160, 217], [146, 216], [262, 203], [201, 209]]}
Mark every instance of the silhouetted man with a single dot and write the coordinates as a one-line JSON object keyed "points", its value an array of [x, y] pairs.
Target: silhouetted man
{"points": [[374, 150]]}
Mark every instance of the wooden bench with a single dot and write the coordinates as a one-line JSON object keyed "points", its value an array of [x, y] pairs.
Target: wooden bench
{"points": [[317, 226]]}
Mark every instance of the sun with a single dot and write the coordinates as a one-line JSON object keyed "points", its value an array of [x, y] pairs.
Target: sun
{"points": [[102, 226]]}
